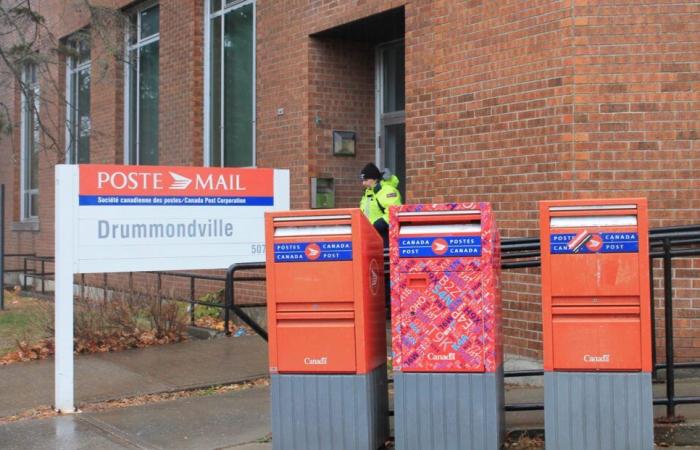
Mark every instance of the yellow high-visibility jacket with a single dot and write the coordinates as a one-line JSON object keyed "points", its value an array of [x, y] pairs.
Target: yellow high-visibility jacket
{"points": [[376, 201]]}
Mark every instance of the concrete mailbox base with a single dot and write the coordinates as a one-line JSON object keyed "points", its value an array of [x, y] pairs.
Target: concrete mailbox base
{"points": [[598, 411], [322, 412], [448, 411]]}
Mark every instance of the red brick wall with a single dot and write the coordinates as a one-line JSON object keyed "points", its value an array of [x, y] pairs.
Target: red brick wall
{"points": [[506, 101], [637, 128], [341, 96]]}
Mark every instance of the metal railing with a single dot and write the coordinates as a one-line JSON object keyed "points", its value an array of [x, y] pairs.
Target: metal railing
{"points": [[41, 275], [665, 244]]}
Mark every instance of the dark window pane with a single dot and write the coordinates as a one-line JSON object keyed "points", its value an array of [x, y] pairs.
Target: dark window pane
{"points": [[395, 153], [148, 104], [133, 111], [215, 5], [32, 144], [83, 48], [133, 29], [34, 205], [215, 94], [82, 124], [238, 87], [149, 22], [393, 82]]}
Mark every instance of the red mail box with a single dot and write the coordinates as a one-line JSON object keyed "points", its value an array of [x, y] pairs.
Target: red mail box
{"points": [[595, 285], [445, 303], [325, 292]]}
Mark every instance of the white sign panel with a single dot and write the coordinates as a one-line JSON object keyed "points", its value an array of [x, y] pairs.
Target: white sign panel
{"points": [[113, 218], [139, 218]]}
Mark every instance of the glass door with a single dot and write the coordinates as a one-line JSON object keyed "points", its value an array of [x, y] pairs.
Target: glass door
{"points": [[390, 107]]}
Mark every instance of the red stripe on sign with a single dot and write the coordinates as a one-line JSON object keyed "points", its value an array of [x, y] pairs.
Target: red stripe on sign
{"points": [[97, 179]]}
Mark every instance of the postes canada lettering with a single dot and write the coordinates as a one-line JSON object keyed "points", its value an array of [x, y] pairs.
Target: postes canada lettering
{"points": [[415, 242], [289, 256], [335, 246], [289, 247], [620, 237]]}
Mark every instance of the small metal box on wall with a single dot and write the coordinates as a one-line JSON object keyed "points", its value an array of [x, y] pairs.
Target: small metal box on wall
{"points": [[596, 322], [446, 327], [322, 193], [327, 335]]}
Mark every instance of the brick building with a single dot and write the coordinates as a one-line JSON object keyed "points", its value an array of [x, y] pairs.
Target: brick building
{"points": [[506, 101]]}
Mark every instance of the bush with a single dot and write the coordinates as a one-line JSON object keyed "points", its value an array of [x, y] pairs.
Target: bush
{"points": [[125, 321]]}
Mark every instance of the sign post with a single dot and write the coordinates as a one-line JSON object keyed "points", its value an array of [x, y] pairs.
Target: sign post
{"points": [[112, 218]]}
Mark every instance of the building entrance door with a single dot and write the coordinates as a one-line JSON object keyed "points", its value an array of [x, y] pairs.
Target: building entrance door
{"points": [[390, 105]]}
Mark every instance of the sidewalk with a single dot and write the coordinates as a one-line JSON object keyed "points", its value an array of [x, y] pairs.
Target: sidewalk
{"points": [[223, 421], [238, 420], [107, 376]]}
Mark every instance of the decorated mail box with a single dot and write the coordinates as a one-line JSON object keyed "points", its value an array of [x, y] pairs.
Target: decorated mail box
{"points": [[445, 301], [446, 323]]}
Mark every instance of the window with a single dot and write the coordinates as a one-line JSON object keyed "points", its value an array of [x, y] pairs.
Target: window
{"points": [[141, 109], [229, 119], [29, 143], [78, 104]]}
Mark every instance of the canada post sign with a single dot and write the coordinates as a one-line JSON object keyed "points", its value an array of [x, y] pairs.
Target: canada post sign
{"points": [[136, 218]]}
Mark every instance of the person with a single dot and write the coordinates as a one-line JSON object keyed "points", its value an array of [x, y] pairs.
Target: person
{"points": [[381, 192]]}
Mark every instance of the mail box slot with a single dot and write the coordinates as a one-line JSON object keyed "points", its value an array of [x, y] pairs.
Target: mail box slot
{"points": [[325, 292], [595, 285], [445, 269]]}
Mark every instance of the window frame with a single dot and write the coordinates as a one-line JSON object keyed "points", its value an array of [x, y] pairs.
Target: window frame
{"points": [[208, 17], [73, 71], [128, 49], [26, 154]]}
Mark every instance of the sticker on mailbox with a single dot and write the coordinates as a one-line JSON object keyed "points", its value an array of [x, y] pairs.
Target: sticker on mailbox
{"points": [[447, 246], [313, 251], [586, 242]]}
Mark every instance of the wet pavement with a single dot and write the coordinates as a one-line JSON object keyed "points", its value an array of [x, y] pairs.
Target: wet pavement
{"points": [[232, 420], [106, 376]]}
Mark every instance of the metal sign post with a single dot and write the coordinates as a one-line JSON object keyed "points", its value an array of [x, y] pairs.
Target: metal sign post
{"points": [[2, 247]]}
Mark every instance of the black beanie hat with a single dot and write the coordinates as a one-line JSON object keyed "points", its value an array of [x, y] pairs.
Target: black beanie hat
{"points": [[370, 172]]}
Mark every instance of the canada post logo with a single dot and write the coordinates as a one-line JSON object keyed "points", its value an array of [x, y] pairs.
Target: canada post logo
{"points": [[445, 246], [175, 186], [439, 246], [585, 242], [313, 251]]}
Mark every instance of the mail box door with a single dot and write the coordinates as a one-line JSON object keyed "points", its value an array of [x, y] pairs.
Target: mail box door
{"points": [[594, 255], [313, 269], [316, 342], [596, 338], [441, 322]]}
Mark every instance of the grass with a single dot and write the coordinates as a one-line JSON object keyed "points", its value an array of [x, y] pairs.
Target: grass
{"points": [[19, 321]]}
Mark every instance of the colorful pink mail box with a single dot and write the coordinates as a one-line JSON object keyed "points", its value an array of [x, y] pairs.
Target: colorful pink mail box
{"points": [[446, 322]]}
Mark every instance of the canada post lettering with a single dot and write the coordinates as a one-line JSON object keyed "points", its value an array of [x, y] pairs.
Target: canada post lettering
{"points": [[313, 251], [446, 246], [108, 185], [587, 242]]}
